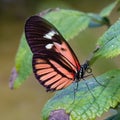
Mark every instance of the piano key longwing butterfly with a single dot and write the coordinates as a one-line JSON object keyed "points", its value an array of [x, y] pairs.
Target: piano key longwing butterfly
{"points": [[55, 65]]}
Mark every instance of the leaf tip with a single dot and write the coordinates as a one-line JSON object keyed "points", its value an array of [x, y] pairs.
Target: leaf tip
{"points": [[47, 11], [13, 77]]}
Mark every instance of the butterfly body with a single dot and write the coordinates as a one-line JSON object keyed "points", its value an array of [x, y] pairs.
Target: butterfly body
{"points": [[55, 64]]}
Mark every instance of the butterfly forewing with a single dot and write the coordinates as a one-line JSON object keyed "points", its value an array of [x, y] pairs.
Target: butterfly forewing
{"points": [[54, 62]]}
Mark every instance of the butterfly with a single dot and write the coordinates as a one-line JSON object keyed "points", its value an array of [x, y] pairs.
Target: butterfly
{"points": [[55, 64]]}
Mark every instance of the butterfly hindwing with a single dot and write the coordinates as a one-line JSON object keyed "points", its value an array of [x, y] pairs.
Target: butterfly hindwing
{"points": [[54, 62], [50, 73]]}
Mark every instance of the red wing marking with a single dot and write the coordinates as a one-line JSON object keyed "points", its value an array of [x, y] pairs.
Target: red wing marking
{"points": [[48, 75], [64, 85], [41, 66], [68, 56], [54, 79], [62, 69], [40, 61], [45, 71], [60, 82]]}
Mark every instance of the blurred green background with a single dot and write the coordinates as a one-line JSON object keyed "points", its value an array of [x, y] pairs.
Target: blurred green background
{"points": [[28, 101]]}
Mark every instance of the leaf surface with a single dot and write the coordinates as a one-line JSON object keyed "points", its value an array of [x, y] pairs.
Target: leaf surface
{"points": [[88, 103]]}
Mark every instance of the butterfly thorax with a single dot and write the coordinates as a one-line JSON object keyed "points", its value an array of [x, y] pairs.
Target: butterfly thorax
{"points": [[80, 74]]}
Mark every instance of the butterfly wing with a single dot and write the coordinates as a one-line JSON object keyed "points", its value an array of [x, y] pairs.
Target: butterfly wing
{"points": [[54, 62]]}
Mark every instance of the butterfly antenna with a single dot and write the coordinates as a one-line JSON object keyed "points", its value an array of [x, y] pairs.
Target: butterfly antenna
{"points": [[89, 71]]}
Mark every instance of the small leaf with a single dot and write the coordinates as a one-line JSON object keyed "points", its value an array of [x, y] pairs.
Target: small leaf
{"points": [[22, 64], [109, 43], [13, 77], [97, 20], [88, 103], [107, 10]]}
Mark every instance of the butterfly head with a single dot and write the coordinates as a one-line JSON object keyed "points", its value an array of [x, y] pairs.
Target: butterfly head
{"points": [[84, 68]]}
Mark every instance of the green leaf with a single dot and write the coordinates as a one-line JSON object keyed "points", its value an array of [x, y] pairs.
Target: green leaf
{"points": [[69, 22], [88, 103], [109, 43], [100, 19], [22, 63], [74, 23], [107, 10]]}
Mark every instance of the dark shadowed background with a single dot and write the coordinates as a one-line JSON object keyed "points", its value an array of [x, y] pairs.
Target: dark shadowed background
{"points": [[28, 101]]}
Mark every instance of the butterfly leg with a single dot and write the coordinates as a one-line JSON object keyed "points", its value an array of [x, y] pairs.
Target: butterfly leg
{"points": [[75, 88], [89, 89], [97, 80], [94, 79]]}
